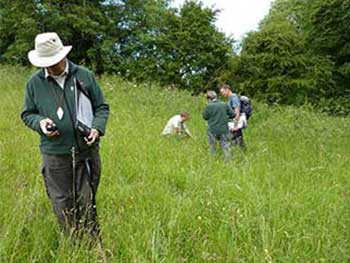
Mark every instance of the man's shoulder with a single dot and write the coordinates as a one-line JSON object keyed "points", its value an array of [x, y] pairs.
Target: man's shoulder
{"points": [[220, 103], [215, 103], [79, 70], [83, 71], [36, 76], [234, 96], [234, 101], [84, 76], [175, 118]]}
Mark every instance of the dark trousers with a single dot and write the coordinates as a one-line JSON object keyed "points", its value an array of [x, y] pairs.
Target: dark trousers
{"points": [[237, 138], [224, 140], [73, 202]]}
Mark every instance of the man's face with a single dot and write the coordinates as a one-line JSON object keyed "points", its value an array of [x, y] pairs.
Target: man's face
{"points": [[223, 92], [185, 118], [57, 68]]}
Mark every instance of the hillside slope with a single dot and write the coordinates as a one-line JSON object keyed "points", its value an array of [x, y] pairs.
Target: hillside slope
{"points": [[166, 200]]}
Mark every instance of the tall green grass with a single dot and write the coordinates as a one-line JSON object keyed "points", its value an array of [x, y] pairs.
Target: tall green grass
{"points": [[167, 200]]}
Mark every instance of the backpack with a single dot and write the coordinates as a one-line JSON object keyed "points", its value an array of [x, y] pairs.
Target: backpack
{"points": [[246, 106]]}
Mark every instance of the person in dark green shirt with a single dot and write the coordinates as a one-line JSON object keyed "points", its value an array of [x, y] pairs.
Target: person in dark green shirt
{"points": [[71, 164], [217, 113]]}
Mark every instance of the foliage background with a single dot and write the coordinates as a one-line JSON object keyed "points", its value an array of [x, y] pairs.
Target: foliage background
{"points": [[298, 56]]}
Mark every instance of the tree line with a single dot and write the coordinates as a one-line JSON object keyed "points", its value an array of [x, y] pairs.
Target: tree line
{"points": [[299, 55], [137, 39]]}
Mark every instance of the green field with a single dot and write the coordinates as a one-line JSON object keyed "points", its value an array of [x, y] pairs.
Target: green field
{"points": [[167, 200]]}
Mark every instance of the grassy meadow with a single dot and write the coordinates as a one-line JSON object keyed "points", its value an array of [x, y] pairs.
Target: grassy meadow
{"points": [[167, 200]]}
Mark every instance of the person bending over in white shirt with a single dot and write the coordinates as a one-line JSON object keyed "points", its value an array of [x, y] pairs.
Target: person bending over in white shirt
{"points": [[176, 125]]}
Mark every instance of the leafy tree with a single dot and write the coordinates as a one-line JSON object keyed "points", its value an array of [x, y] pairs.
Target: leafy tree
{"points": [[79, 23], [194, 53], [139, 39], [275, 67], [299, 54], [18, 24], [294, 12], [330, 36], [136, 50], [181, 48]]}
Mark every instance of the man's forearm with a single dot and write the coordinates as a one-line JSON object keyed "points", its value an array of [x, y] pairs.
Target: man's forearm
{"points": [[237, 114], [32, 120]]}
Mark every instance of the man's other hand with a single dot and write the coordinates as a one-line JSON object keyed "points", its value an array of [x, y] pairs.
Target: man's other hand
{"points": [[93, 137]]}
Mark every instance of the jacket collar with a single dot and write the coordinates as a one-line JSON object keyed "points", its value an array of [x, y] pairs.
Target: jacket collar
{"points": [[72, 68]]}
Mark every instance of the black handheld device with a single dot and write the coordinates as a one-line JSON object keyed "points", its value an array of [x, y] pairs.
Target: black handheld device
{"points": [[85, 130], [51, 127]]}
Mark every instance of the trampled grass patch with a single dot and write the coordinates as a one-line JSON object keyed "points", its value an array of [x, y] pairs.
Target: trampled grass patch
{"points": [[166, 200]]}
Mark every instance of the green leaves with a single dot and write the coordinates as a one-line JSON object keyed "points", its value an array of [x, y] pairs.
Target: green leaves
{"points": [[181, 48], [141, 40], [299, 55]]}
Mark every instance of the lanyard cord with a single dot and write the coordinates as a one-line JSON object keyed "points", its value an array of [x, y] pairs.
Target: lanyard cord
{"points": [[59, 100], [72, 118]]}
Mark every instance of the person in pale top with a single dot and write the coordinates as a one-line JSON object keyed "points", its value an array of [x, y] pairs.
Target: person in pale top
{"points": [[176, 125]]}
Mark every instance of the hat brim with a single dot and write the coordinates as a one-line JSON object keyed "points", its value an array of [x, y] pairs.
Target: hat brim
{"points": [[44, 62]]}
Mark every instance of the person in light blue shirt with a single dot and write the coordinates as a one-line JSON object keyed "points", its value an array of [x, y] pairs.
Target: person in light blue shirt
{"points": [[235, 105]]}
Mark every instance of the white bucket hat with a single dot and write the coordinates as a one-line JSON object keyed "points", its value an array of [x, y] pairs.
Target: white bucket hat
{"points": [[48, 51]]}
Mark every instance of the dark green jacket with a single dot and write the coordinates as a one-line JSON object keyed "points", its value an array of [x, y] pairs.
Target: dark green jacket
{"points": [[41, 102], [217, 113]]}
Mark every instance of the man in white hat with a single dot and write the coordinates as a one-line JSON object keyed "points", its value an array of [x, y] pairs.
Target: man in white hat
{"points": [[71, 164]]}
